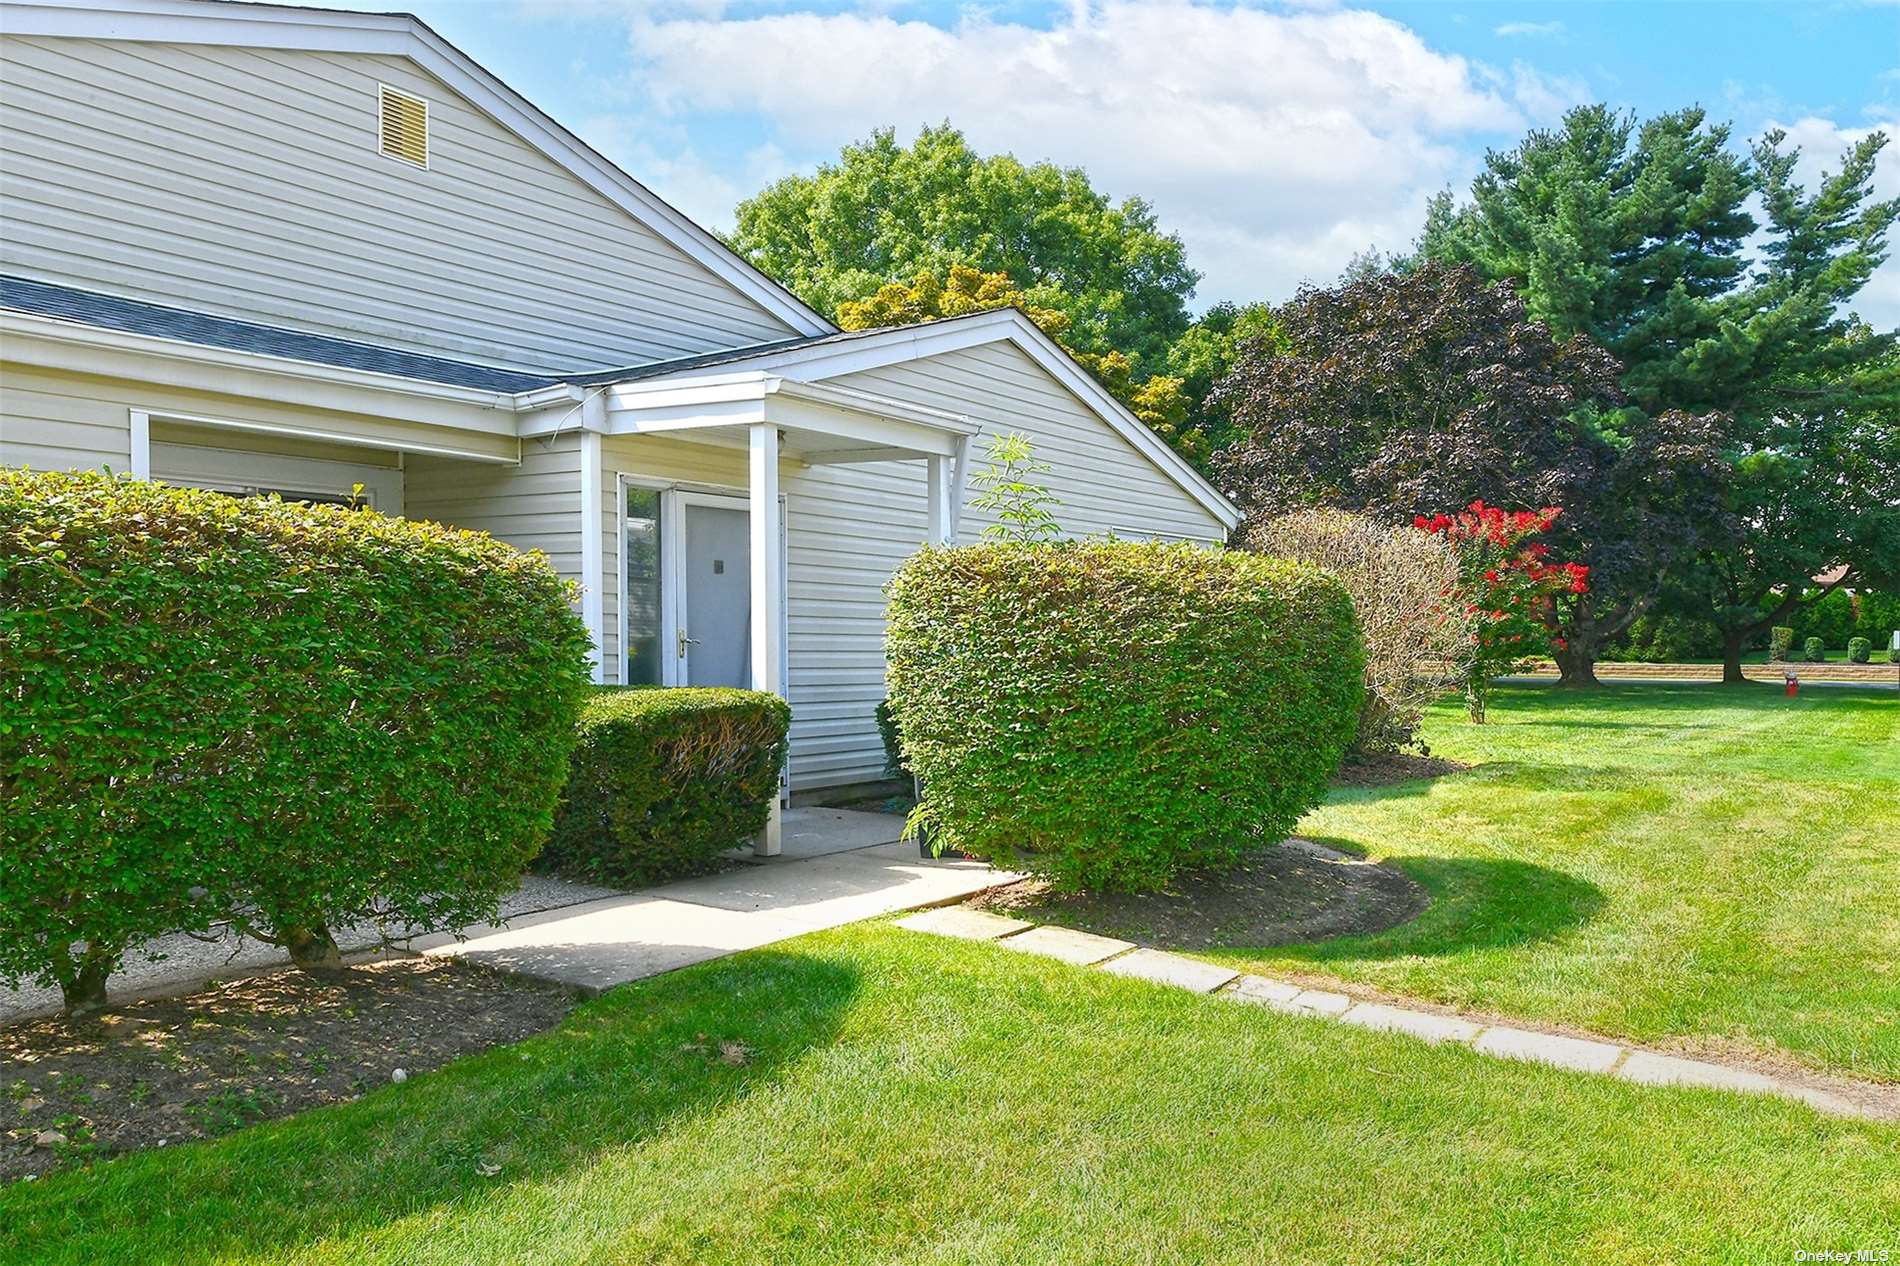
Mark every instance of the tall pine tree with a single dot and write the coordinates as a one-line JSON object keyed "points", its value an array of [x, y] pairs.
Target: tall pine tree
{"points": [[1635, 237]]}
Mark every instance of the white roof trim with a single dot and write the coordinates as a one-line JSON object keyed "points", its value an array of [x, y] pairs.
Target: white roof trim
{"points": [[935, 338], [24, 326], [244, 25]]}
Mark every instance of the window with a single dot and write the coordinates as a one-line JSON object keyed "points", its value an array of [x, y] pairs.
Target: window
{"points": [[404, 126], [643, 612]]}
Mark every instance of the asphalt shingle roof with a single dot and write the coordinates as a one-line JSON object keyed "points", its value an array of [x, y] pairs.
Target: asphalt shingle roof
{"points": [[133, 316]]}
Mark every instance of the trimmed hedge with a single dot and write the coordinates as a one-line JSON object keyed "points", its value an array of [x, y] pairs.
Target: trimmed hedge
{"points": [[1859, 650], [286, 716], [1780, 643], [663, 781], [1106, 714], [1814, 650]]}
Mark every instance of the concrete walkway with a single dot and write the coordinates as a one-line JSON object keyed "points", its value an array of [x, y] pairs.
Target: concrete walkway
{"points": [[838, 866], [1650, 1068]]}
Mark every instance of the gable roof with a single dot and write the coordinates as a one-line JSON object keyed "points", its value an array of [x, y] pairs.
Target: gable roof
{"points": [[238, 23], [851, 351]]}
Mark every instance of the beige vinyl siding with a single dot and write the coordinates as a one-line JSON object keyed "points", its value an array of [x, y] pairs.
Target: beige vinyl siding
{"points": [[535, 505], [248, 183], [59, 422], [851, 526]]}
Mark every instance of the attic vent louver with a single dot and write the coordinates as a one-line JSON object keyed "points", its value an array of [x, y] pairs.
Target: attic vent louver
{"points": [[405, 126]]}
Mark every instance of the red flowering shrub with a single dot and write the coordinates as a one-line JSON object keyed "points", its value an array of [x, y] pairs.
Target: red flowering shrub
{"points": [[1508, 591]]}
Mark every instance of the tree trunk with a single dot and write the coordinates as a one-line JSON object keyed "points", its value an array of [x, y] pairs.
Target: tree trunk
{"points": [[313, 949], [1576, 665], [1732, 657], [86, 990]]}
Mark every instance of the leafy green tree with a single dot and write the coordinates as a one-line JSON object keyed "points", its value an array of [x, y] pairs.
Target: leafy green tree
{"points": [[1206, 353], [1635, 237], [886, 212]]}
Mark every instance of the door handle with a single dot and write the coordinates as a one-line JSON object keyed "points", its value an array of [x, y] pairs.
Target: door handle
{"points": [[686, 642]]}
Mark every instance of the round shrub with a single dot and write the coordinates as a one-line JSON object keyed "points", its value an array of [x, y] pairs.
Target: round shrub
{"points": [[1780, 643], [1106, 714], [1814, 650], [1859, 650], [281, 715], [663, 782]]}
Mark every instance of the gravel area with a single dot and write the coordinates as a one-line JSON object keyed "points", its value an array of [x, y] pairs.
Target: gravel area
{"points": [[176, 962]]}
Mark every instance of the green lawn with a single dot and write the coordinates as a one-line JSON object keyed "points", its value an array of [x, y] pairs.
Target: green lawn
{"points": [[1699, 865], [919, 1100]]}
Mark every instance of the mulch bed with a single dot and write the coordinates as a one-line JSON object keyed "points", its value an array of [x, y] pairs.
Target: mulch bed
{"points": [[166, 1070], [1283, 894]]}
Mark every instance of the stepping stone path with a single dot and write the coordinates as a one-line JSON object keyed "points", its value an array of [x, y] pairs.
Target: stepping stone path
{"points": [[1124, 958]]}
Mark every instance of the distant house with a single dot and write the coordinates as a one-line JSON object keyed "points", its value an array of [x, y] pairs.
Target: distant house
{"points": [[262, 248]]}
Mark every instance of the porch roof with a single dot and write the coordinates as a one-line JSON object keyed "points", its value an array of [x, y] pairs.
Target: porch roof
{"points": [[818, 423]]}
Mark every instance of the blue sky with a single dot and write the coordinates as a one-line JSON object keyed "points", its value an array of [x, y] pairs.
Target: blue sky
{"points": [[1276, 138]]}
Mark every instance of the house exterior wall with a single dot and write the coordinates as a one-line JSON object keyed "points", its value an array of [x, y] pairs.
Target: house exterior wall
{"points": [[535, 505], [56, 421], [248, 183]]}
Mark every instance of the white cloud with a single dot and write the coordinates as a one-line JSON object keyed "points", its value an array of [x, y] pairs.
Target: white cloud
{"points": [[1822, 143], [1277, 143], [1518, 30]]}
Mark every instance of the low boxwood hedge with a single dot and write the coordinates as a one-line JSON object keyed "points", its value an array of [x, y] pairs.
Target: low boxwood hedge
{"points": [[1108, 713], [283, 716], [663, 781]]}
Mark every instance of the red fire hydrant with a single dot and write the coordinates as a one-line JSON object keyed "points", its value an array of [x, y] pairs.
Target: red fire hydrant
{"points": [[1794, 685]]}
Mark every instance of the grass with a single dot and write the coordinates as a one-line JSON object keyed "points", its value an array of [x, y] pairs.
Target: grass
{"points": [[904, 1098], [1709, 867]]}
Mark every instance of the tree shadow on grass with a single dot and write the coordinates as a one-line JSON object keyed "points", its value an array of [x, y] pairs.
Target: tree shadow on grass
{"points": [[1476, 904], [619, 1070]]}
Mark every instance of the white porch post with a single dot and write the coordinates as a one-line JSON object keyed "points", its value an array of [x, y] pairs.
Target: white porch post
{"points": [[593, 571], [141, 442], [959, 480], [937, 501], [768, 594]]}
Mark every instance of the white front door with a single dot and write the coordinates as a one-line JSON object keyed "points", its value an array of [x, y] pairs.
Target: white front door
{"points": [[686, 581], [715, 592]]}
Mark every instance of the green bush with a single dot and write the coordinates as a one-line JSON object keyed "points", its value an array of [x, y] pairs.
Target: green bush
{"points": [[664, 781], [1859, 650], [1666, 638], [1814, 650], [1108, 713], [286, 716], [894, 766], [1876, 616], [1780, 643]]}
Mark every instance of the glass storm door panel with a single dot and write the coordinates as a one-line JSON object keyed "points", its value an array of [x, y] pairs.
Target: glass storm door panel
{"points": [[715, 596], [645, 620]]}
